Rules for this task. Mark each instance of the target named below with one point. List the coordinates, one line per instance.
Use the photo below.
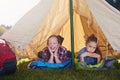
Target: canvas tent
(29, 34)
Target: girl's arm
(96, 56)
(57, 59)
(51, 59)
(56, 56)
(84, 55)
(51, 56)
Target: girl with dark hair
(90, 54)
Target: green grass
(61, 74)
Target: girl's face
(91, 46)
(53, 44)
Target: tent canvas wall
(29, 34)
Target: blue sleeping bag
(45, 65)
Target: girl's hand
(95, 55)
(52, 54)
(56, 52)
(88, 54)
(84, 55)
(57, 56)
(51, 57)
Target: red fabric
(5, 52)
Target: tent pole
(72, 31)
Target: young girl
(90, 54)
(54, 52)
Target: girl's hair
(93, 38)
(58, 37)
